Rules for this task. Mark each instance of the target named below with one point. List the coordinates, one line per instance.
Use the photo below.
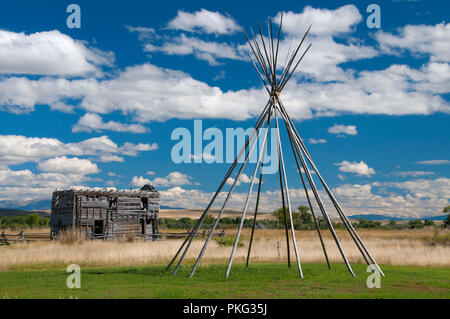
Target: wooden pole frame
(265, 63)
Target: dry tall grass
(71, 237)
(387, 247)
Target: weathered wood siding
(106, 214)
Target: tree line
(303, 220)
(24, 221)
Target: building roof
(113, 193)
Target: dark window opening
(144, 203)
(113, 203)
(143, 226)
(98, 227)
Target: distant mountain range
(39, 204)
(22, 208)
(385, 217)
(17, 212)
(168, 207)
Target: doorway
(98, 227)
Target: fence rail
(161, 235)
(7, 239)
(204, 233)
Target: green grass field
(258, 281)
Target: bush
(393, 225)
(437, 239)
(338, 226)
(428, 222)
(228, 241)
(368, 223)
(414, 224)
(183, 223)
(226, 221)
(209, 220)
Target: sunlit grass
(387, 247)
(258, 281)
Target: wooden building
(105, 213)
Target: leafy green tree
(44, 221)
(279, 215)
(447, 220)
(32, 220)
(304, 216)
(300, 217)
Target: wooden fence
(7, 239)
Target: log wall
(106, 214)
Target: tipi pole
(256, 206)
(303, 147)
(194, 230)
(292, 58)
(310, 204)
(244, 212)
(273, 50)
(288, 197)
(346, 225)
(258, 56)
(227, 198)
(262, 61)
(344, 218)
(269, 49)
(298, 62)
(278, 44)
(259, 73)
(254, 217)
(319, 200)
(284, 212)
(265, 51)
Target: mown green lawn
(258, 281)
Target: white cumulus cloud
(209, 51)
(18, 149)
(317, 141)
(93, 122)
(67, 165)
(172, 179)
(434, 162)
(204, 21)
(360, 168)
(244, 178)
(343, 129)
(323, 21)
(433, 40)
(48, 53)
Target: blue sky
(96, 106)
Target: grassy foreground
(258, 281)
